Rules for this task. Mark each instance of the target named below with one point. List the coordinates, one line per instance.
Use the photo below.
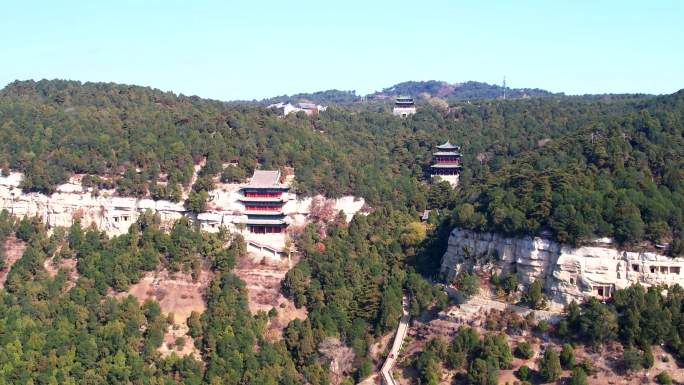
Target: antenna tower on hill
(504, 88)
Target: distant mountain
(460, 91)
(319, 97)
(451, 91)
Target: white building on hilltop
(307, 108)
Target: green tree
(567, 357)
(549, 366)
(524, 350)
(413, 234)
(524, 373)
(649, 360)
(597, 323)
(194, 324)
(534, 296)
(510, 283)
(633, 359)
(578, 377)
(197, 201)
(428, 367)
(629, 226)
(482, 372)
(664, 378)
(467, 284)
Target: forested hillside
(49, 335)
(619, 176)
(465, 91)
(51, 129)
(319, 97)
(577, 167)
(469, 90)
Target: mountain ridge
(468, 90)
(421, 90)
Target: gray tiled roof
(264, 179)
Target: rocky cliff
(115, 214)
(112, 214)
(568, 273)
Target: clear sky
(255, 49)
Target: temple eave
(261, 199)
(264, 212)
(265, 222)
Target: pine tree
(578, 377)
(567, 357)
(549, 366)
(535, 297)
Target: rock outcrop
(115, 214)
(569, 273)
(112, 214)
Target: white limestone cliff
(568, 273)
(114, 214)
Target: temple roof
(265, 179)
(404, 100)
(446, 153)
(446, 166)
(447, 146)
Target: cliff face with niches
(115, 214)
(111, 214)
(568, 273)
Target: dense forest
(351, 279)
(618, 176)
(50, 335)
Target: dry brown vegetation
(67, 264)
(263, 278)
(176, 293)
(13, 249)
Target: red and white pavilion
(447, 163)
(263, 200)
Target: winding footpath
(386, 370)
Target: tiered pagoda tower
(447, 163)
(264, 198)
(404, 106)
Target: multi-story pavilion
(447, 163)
(404, 106)
(263, 199)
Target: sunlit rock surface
(568, 273)
(115, 214)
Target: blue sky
(229, 50)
